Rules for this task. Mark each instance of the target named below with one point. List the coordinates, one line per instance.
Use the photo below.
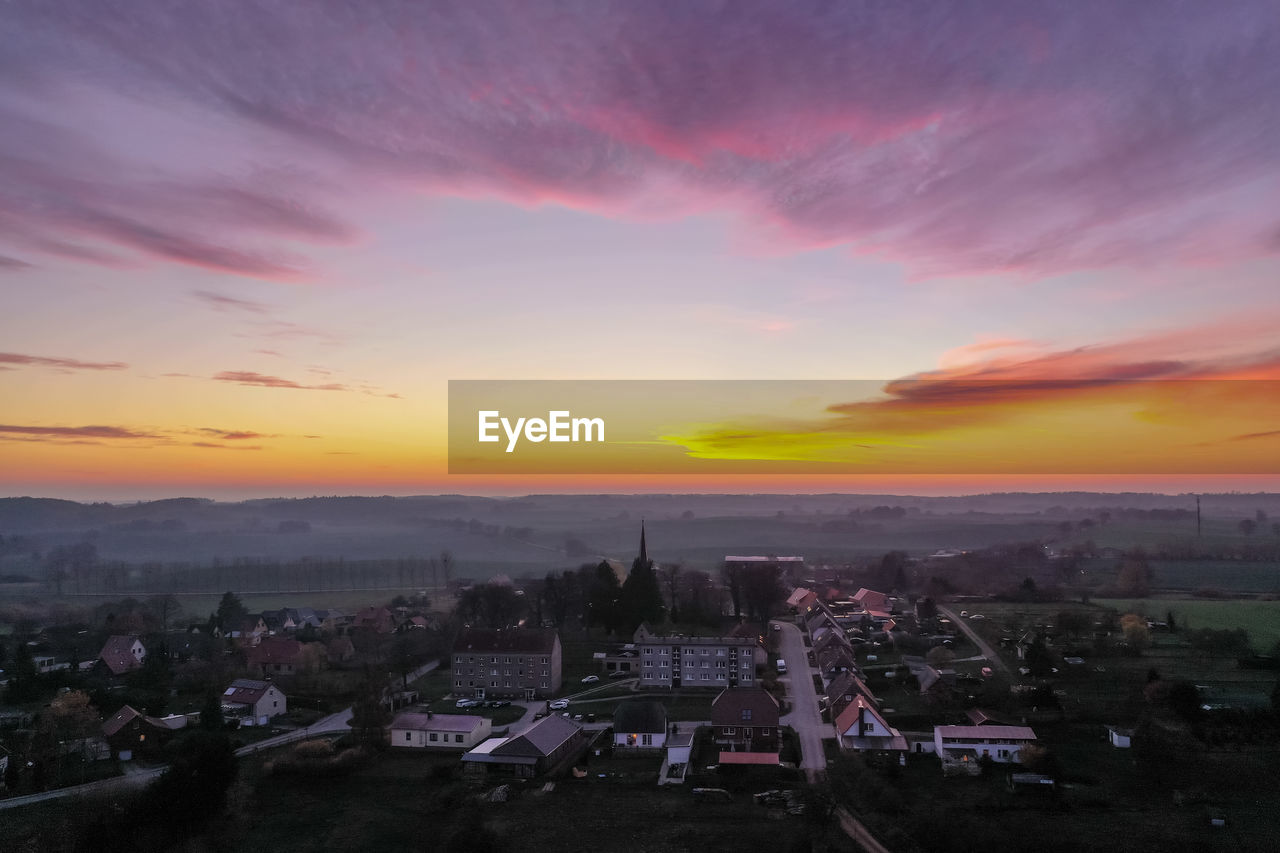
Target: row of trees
(78, 569)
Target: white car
(590, 679)
(560, 704)
(466, 703)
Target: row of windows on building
(706, 664)
(664, 651)
(706, 676)
(493, 673)
(434, 737)
(458, 659)
(457, 682)
(747, 731)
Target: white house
(862, 727)
(1001, 744)
(639, 724)
(439, 731)
(254, 702)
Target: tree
(640, 599)
(24, 680)
(231, 612)
(732, 573)
(369, 716)
(1038, 658)
(1134, 576)
(1073, 622)
(165, 608)
(211, 719)
(670, 576)
(602, 591)
(194, 787)
(940, 657)
(71, 718)
(1136, 633)
(1247, 526)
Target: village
(803, 697)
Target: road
(804, 717)
(986, 650)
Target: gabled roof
(801, 597)
(246, 691)
(523, 640)
(128, 714)
(275, 650)
(859, 707)
(117, 654)
(119, 720)
(727, 707)
(540, 739)
(872, 600)
(640, 716)
(982, 732)
(463, 723)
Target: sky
(245, 246)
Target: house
(802, 599)
(541, 748)
(964, 744)
(522, 663)
(872, 602)
(129, 731)
(1120, 738)
(439, 731)
(248, 631)
(679, 661)
(274, 656)
(253, 702)
(639, 725)
(123, 653)
(843, 689)
(745, 719)
(861, 726)
(376, 619)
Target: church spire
(644, 554)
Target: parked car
(621, 673)
(466, 703)
(590, 679)
(560, 704)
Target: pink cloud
(64, 364)
(955, 138)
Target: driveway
(804, 716)
(986, 650)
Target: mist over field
(325, 543)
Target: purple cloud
(61, 363)
(954, 136)
(75, 432)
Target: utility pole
(1197, 516)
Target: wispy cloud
(222, 302)
(8, 264)
(249, 377)
(232, 435)
(953, 137)
(103, 432)
(61, 363)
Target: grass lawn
(1260, 618)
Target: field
(1111, 800)
(1260, 618)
